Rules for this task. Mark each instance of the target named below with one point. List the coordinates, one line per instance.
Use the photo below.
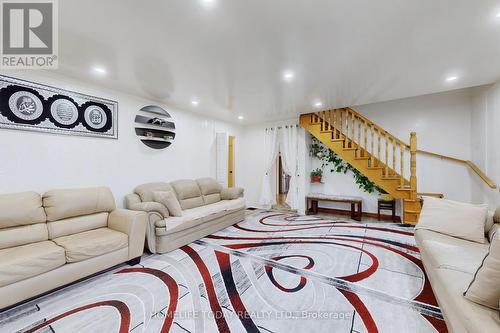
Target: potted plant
(316, 175)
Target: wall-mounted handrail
(470, 164)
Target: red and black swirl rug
(269, 273)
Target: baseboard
(383, 217)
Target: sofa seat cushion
(453, 253)
(93, 243)
(195, 216)
(449, 286)
(22, 262)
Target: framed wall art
(32, 106)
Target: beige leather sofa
(50, 241)
(450, 264)
(204, 211)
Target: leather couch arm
(133, 224)
(150, 207)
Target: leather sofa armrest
(133, 224)
(150, 207)
(131, 199)
(232, 193)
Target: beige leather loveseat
(50, 241)
(450, 264)
(206, 208)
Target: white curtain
(271, 152)
(288, 149)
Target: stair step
(412, 211)
(350, 148)
(337, 140)
(391, 177)
(362, 158)
(375, 168)
(404, 189)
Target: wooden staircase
(373, 151)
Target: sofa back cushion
(19, 209)
(75, 225)
(210, 189)
(63, 204)
(146, 191)
(22, 219)
(452, 218)
(188, 193)
(485, 287)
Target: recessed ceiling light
(451, 78)
(288, 75)
(241, 117)
(195, 102)
(99, 70)
(318, 104)
(208, 3)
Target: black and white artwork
(32, 106)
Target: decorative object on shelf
(154, 127)
(316, 175)
(32, 106)
(328, 158)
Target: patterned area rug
(269, 273)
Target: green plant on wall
(331, 160)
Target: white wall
(485, 145)
(39, 162)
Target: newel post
(413, 163)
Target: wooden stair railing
(467, 163)
(383, 158)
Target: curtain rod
(280, 127)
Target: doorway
(283, 183)
(230, 162)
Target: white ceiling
(231, 54)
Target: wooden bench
(355, 202)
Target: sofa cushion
(210, 189)
(26, 234)
(461, 313)
(231, 193)
(18, 209)
(485, 287)
(496, 215)
(93, 243)
(209, 186)
(61, 204)
(145, 191)
(22, 262)
(169, 200)
(188, 193)
(77, 224)
(456, 254)
(489, 221)
(195, 216)
(494, 229)
(454, 218)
